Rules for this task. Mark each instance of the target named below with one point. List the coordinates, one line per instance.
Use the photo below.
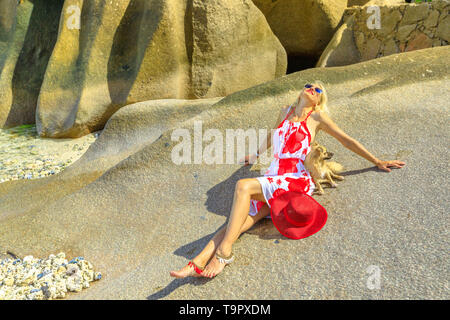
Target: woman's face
(311, 95)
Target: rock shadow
(29, 71)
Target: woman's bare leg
(206, 254)
(203, 257)
(246, 189)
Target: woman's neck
(302, 110)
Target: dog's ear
(314, 152)
(319, 148)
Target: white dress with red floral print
(291, 143)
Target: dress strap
(308, 115)
(289, 112)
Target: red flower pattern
(304, 152)
(259, 204)
(294, 141)
(298, 184)
(287, 165)
(307, 130)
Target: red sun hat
(297, 215)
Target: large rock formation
(374, 2)
(112, 53)
(303, 27)
(351, 3)
(135, 214)
(404, 27)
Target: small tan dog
(320, 170)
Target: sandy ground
(25, 155)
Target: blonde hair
(322, 106)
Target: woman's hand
(248, 159)
(383, 165)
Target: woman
(296, 128)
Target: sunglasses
(318, 90)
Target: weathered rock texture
(128, 209)
(351, 3)
(405, 27)
(374, 2)
(112, 53)
(303, 27)
(28, 34)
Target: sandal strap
(223, 259)
(197, 269)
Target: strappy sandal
(223, 260)
(197, 269)
(226, 260)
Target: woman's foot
(215, 266)
(187, 271)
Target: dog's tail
(335, 167)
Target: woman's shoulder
(322, 117)
(318, 114)
(318, 117)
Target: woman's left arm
(327, 125)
